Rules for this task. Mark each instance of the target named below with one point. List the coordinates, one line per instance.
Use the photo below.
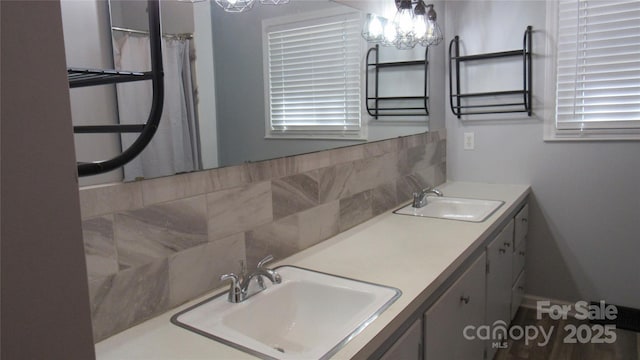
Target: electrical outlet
(469, 141)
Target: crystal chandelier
(414, 24)
(236, 6)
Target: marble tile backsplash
(152, 245)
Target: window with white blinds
(598, 67)
(312, 77)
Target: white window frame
(301, 18)
(551, 133)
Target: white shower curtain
(174, 147)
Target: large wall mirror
(215, 92)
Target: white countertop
(413, 254)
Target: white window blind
(598, 65)
(314, 77)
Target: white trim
(310, 136)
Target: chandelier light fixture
(414, 24)
(237, 6)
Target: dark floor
(625, 347)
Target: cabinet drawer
(517, 264)
(517, 292)
(521, 226)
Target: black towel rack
(377, 105)
(457, 99)
(93, 77)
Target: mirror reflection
(218, 106)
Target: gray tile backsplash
(239, 209)
(195, 271)
(123, 299)
(384, 197)
(278, 238)
(158, 231)
(155, 244)
(355, 209)
(294, 193)
(99, 246)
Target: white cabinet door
(462, 305)
(519, 255)
(517, 292)
(499, 257)
(522, 225)
(408, 346)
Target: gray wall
(584, 227)
(240, 95)
(45, 304)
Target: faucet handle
(235, 291)
(231, 276)
(419, 198)
(262, 262)
(272, 274)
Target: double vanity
(402, 285)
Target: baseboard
(627, 318)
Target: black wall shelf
(389, 105)
(93, 77)
(491, 103)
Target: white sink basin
(310, 315)
(464, 209)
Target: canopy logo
(499, 333)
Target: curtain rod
(141, 32)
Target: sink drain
(279, 349)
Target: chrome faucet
(240, 287)
(420, 197)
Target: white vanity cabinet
(462, 305)
(519, 254)
(499, 282)
(488, 292)
(408, 346)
